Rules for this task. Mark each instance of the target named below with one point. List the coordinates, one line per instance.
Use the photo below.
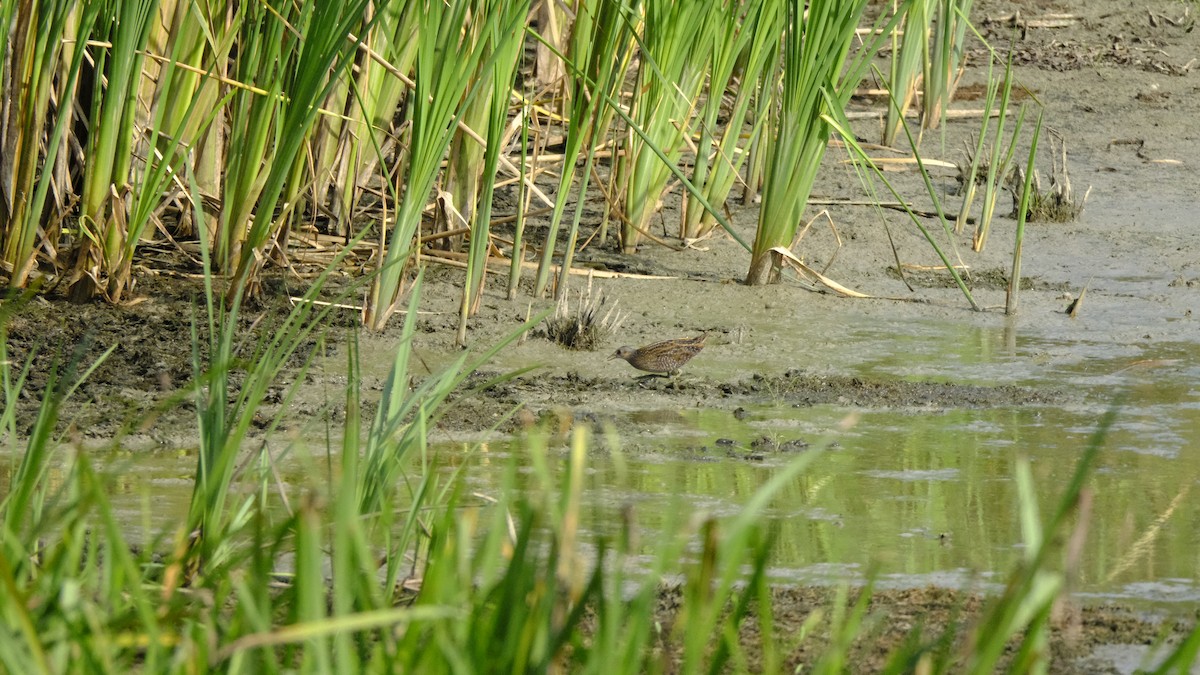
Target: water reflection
(919, 497)
(914, 497)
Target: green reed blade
(816, 48)
(908, 58)
(41, 33)
(1014, 278)
(945, 58)
(444, 67)
(324, 53)
(744, 51)
(670, 75)
(599, 49)
(505, 33)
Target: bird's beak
(613, 356)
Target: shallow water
(930, 498)
(916, 496)
(912, 496)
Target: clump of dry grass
(584, 328)
(975, 170)
(1055, 204)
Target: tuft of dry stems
(585, 328)
(974, 165)
(1056, 203)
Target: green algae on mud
(588, 397)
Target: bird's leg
(650, 376)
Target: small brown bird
(662, 358)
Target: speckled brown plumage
(665, 357)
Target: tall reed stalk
(324, 52)
(816, 80)
(746, 40)
(35, 34)
(928, 56)
(517, 259)
(598, 51)
(173, 108)
(445, 62)
(460, 192)
(1027, 187)
(764, 112)
(504, 46)
(358, 144)
(998, 160)
(111, 141)
(975, 156)
(670, 76)
(183, 99)
(909, 56)
(945, 59)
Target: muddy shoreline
(1133, 249)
